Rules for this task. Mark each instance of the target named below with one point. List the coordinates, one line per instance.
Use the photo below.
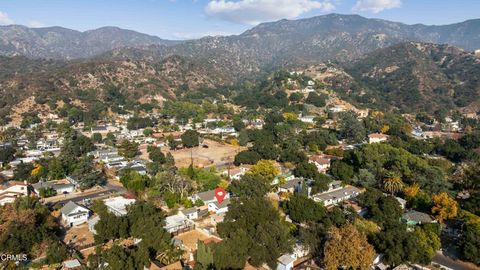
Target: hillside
(417, 76)
(63, 43)
(133, 78)
(295, 43)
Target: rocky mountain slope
(293, 43)
(417, 76)
(63, 43)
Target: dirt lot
(79, 235)
(218, 154)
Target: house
(11, 190)
(477, 53)
(321, 162)
(337, 195)
(178, 223)
(337, 109)
(284, 177)
(413, 217)
(293, 186)
(377, 137)
(309, 119)
(217, 207)
(74, 214)
(285, 262)
(194, 212)
(71, 265)
(207, 197)
(235, 173)
(118, 205)
(60, 188)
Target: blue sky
(183, 19)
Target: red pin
(220, 194)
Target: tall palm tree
(393, 184)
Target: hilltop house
(377, 137)
(11, 190)
(321, 162)
(74, 214)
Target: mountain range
(388, 63)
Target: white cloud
(196, 35)
(4, 19)
(376, 6)
(253, 12)
(35, 24)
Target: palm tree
(393, 184)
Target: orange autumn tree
(444, 207)
(347, 248)
(411, 191)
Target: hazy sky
(183, 19)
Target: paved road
(452, 264)
(108, 190)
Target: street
(452, 264)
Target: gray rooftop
(189, 210)
(340, 193)
(69, 207)
(292, 183)
(416, 216)
(224, 203)
(40, 185)
(286, 259)
(207, 195)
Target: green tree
(190, 138)
(155, 154)
(341, 170)
(247, 157)
(302, 209)
(97, 137)
(351, 129)
(128, 149)
(6, 154)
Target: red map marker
(220, 194)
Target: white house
(337, 195)
(207, 197)
(74, 214)
(190, 213)
(177, 223)
(217, 207)
(235, 173)
(377, 137)
(285, 262)
(118, 205)
(11, 190)
(309, 119)
(321, 162)
(60, 188)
